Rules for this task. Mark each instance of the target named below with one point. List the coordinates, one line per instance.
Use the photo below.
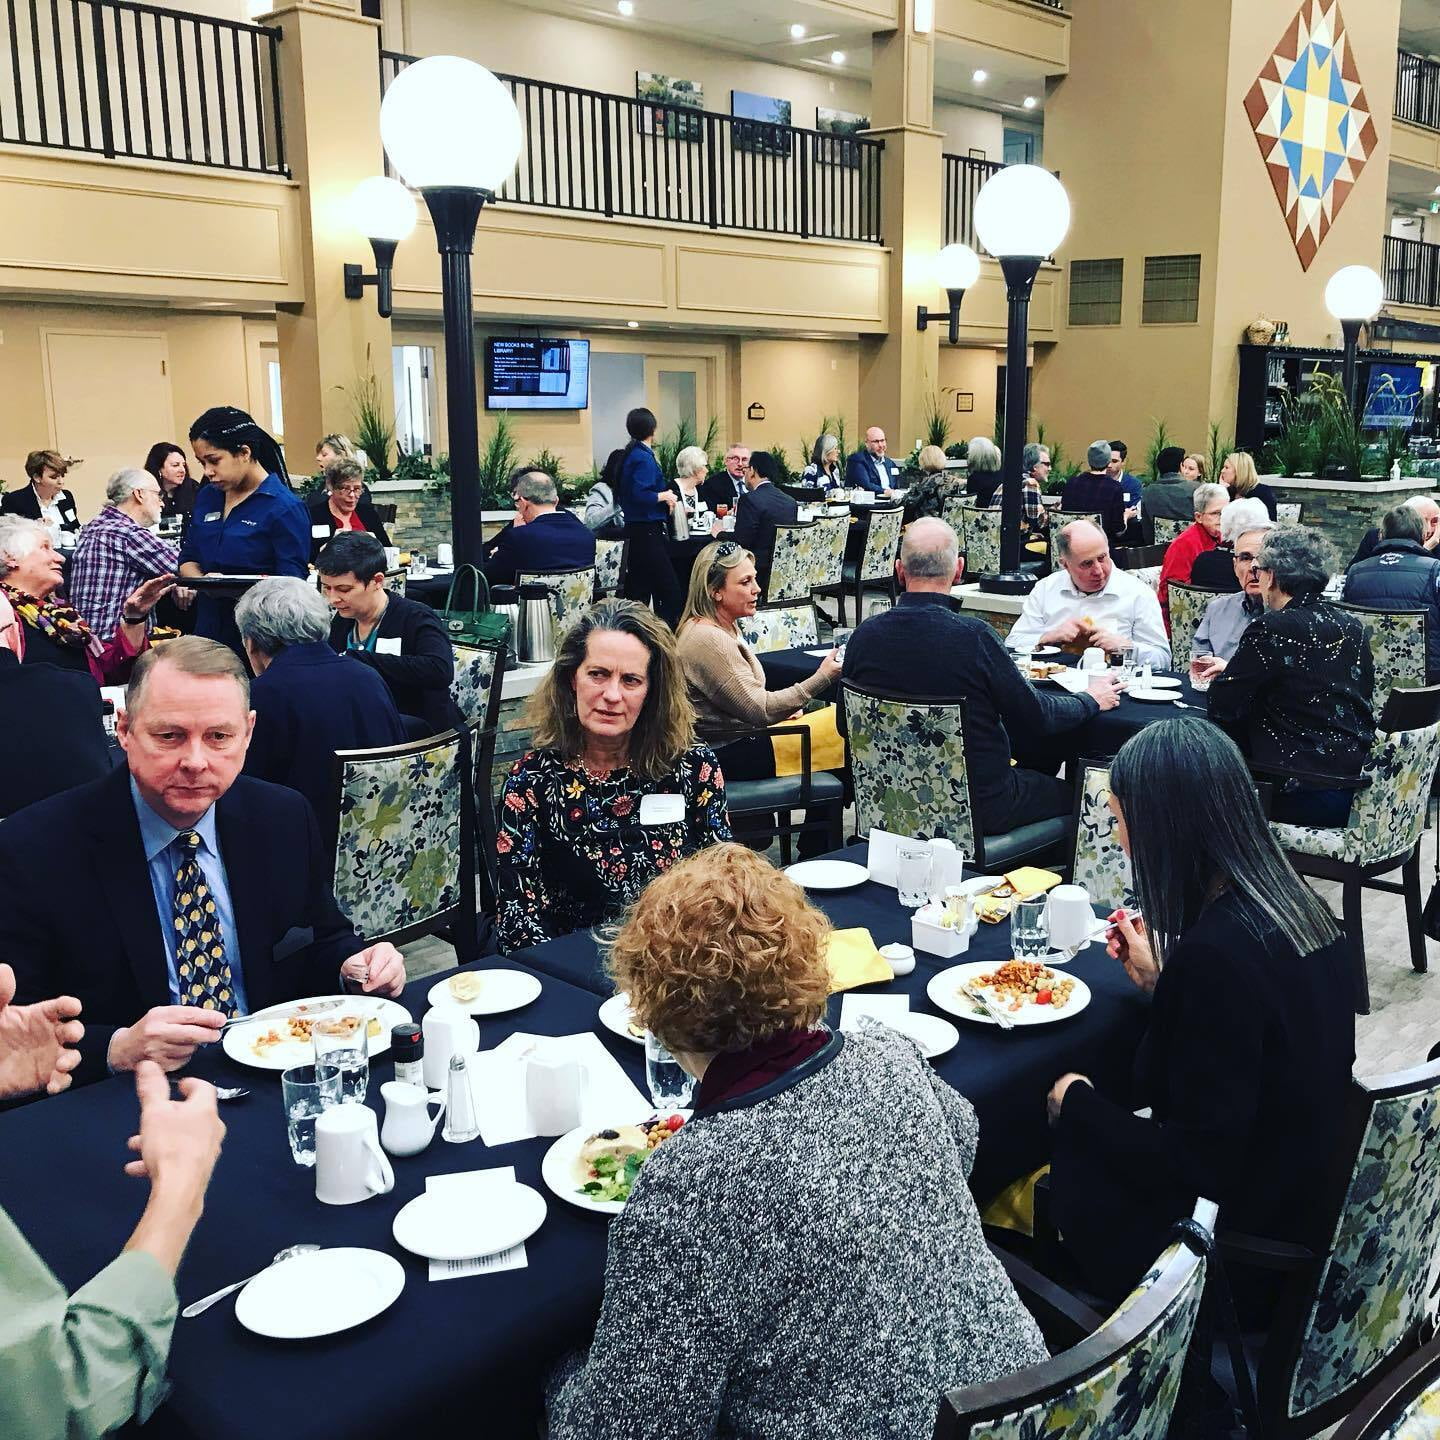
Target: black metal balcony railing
(111, 77)
(963, 178)
(1412, 272)
(1417, 90)
(610, 155)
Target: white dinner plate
(320, 1293)
(500, 990)
(944, 992)
(557, 1170)
(1041, 650)
(615, 1017)
(828, 874)
(934, 1036)
(441, 1226)
(239, 1040)
(1153, 695)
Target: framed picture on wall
(666, 104)
(761, 123)
(836, 127)
(964, 401)
(977, 154)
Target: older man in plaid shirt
(119, 550)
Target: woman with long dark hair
(1251, 1034)
(246, 521)
(166, 462)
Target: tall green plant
(1160, 439)
(1059, 465)
(1218, 450)
(667, 447)
(374, 432)
(937, 422)
(498, 457)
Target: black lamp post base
(1009, 582)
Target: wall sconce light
(382, 210)
(957, 268)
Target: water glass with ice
(1029, 933)
(350, 1055)
(669, 1083)
(913, 859)
(307, 1091)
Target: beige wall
(798, 382)
(1028, 31)
(969, 369)
(966, 128)
(206, 365)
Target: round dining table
(467, 1355)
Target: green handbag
(481, 626)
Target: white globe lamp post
(1353, 296)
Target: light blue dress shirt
(162, 856)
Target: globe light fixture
(383, 211)
(1353, 295)
(1022, 214)
(452, 132)
(957, 268)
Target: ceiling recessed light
(1031, 102)
(632, 324)
(626, 7)
(797, 32)
(980, 76)
(837, 57)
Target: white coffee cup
(349, 1163)
(554, 1093)
(409, 1127)
(1093, 659)
(445, 556)
(1069, 916)
(392, 557)
(448, 1030)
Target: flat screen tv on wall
(537, 374)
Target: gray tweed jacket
(803, 1261)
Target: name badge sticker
(662, 809)
(319, 532)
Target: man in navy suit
(542, 537)
(102, 886)
(761, 508)
(309, 702)
(871, 468)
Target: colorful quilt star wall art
(1313, 124)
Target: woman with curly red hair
(803, 1257)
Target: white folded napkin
(471, 1186)
(879, 1007)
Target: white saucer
(828, 874)
(934, 1036)
(320, 1293)
(1154, 696)
(439, 1226)
(500, 991)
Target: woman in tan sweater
(723, 677)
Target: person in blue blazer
(871, 468)
(542, 537)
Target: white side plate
(320, 1293)
(440, 1226)
(828, 874)
(500, 991)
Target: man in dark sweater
(926, 649)
(1429, 513)
(1099, 492)
(1401, 574)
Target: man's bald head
(1429, 512)
(930, 553)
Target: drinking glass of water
(912, 873)
(419, 563)
(669, 1083)
(307, 1091)
(350, 1056)
(1029, 934)
(839, 639)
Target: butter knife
(988, 1006)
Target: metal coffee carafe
(536, 629)
(680, 520)
(505, 600)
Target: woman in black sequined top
(1298, 695)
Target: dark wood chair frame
(1385, 1402)
(829, 821)
(484, 734)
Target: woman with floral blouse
(617, 789)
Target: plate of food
(615, 1016)
(1028, 992)
(278, 1041)
(828, 874)
(597, 1169)
(320, 1293)
(440, 1226)
(486, 992)
(1041, 669)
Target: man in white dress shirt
(1088, 599)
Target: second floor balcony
(1411, 272)
(1417, 90)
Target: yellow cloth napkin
(854, 960)
(827, 749)
(1026, 882)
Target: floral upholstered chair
(572, 592)
(874, 569)
(1403, 1405)
(404, 855)
(1365, 1300)
(1383, 834)
(955, 511)
(982, 543)
(476, 690)
(1187, 609)
(1118, 1383)
(1097, 860)
(829, 552)
(780, 627)
(1397, 646)
(610, 558)
(1288, 512)
(1059, 519)
(1166, 528)
(797, 561)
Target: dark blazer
(556, 540)
(310, 702)
(419, 676)
(26, 502)
(180, 500)
(721, 488)
(108, 950)
(319, 508)
(759, 511)
(860, 472)
(53, 736)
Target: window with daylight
(1096, 289)
(1172, 290)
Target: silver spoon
(230, 1092)
(201, 1306)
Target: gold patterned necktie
(200, 964)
